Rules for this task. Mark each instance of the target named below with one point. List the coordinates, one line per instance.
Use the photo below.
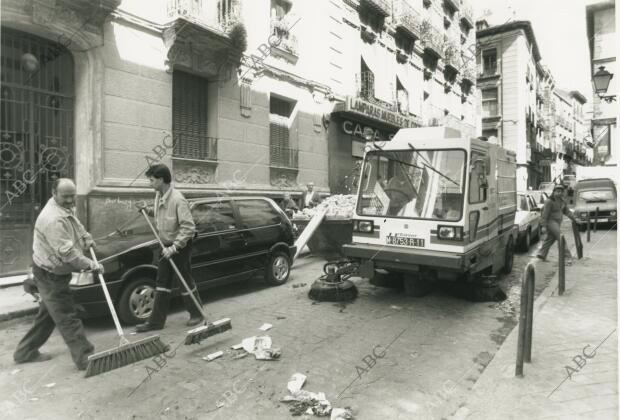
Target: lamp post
(601, 81)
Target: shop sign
(359, 130)
(361, 107)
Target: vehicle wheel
(527, 240)
(278, 268)
(509, 256)
(136, 302)
(416, 286)
(387, 279)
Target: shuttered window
(281, 153)
(189, 118)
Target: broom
(126, 353)
(207, 330)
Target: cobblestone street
(429, 352)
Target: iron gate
(36, 137)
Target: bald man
(58, 247)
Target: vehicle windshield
(523, 203)
(596, 195)
(422, 184)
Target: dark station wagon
(236, 238)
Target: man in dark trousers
(552, 213)
(176, 229)
(58, 246)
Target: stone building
(237, 96)
(602, 43)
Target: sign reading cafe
(358, 130)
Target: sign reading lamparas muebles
(359, 106)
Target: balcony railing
(192, 146)
(283, 157)
(450, 56)
(218, 15)
(381, 7)
(432, 39)
(407, 19)
(467, 16)
(288, 41)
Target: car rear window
(257, 213)
(213, 217)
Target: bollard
(588, 227)
(526, 319)
(578, 243)
(595, 218)
(561, 262)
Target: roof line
(524, 25)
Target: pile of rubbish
(313, 403)
(341, 206)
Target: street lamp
(601, 81)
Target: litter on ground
(265, 327)
(213, 356)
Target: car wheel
(136, 302)
(539, 233)
(416, 286)
(527, 240)
(278, 268)
(509, 256)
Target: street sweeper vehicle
(435, 205)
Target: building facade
(236, 96)
(602, 43)
(508, 77)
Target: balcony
(467, 17)
(189, 146)
(432, 39)
(450, 57)
(469, 74)
(452, 5)
(407, 19)
(381, 7)
(288, 42)
(283, 157)
(215, 15)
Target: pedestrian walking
(553, 210)
(310, 198)
(176, 228)
(59, 243)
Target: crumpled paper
(260, 347)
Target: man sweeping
(59, 243)
(176, 228)
(552, 213)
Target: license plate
(602, 220)
(404, 241)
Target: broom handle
(109, 299)
(175, 268)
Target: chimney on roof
(481, 24)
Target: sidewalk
(14, 303)
(564, 327)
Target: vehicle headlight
(83, 278)
(612, 213)
(364, 226)
(450, 232)
(583, 215)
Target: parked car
(547, 187)
(528, 220)
(591, 194)
(236, 238)
(539, 198)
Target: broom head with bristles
(198, 334)
(125, 354)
